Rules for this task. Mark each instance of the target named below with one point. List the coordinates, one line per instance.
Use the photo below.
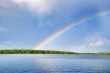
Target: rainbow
(68, 27)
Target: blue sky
(25, 23)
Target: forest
(23, 51)
(34, 52)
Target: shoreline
(48, 52)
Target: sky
(24, 24)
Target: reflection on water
(54, 64)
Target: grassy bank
(46, 52)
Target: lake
(47, 63)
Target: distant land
(23, 51)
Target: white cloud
(99, 42)
(51, 11)
(92, 44)
(42, 6)
(83, 46)
(39, 6)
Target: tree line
(23, 51)
(34, 52)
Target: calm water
(54, 64)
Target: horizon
(55, 25)
(51, 51)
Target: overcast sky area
(25, 23)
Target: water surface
(54, 63)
